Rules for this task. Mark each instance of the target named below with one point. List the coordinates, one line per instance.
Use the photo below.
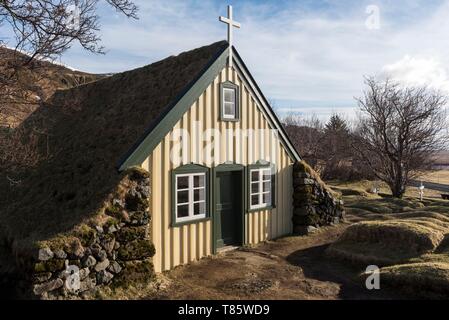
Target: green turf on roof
(90, 128)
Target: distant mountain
(39, 80)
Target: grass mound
(408, 238)
(352, 192)
(419, 278)
(385, 205)
(390, 241)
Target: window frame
(227, 85)
(260, 167)
(190, 171)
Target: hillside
(39, 80)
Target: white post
(421, 191)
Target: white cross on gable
(231, 23)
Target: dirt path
(289, 268)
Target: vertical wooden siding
(180, 245)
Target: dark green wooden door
(229, 209)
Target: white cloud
(419, 71)
(303, 54)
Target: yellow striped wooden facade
(181, 245)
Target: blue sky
(309, 57)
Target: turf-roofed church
(220, 163)
(153, 168)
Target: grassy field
(407, 237)
(363, 188)
(437, 176)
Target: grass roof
(89, 129)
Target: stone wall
(313, 202)
(115, 250)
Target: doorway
(229, 209)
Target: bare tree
(48, 28)
(306, 134)
(45, 29)
(399, 131)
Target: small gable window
(190, 194)
(229, 101)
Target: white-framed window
(260, 188)
(229, 103)
(190, 196)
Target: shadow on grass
(317, 265)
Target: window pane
(183, 196)
(267, 174)
(267, 186)
(199, 208)
(183, 182)
(183, 210)
(199, 194)
(198, 181)
(255, 200)
(254, 176)
(267, 198)
(229, 95)
(229, 109)
(255, 187)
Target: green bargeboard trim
(186, 169)
(151, 141)
(223, 168)
(258, 165)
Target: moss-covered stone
(75, 262)
(113, 211)
(87, 235)
(301, 166)
(303, 197)
(128, 234)
(139, 218)
(111, 222)
(137, 173)
(41, 277)
(49, 266)
(135, 250)
(304, 189)
(314, 202)
(136, 203)
(135, 271)
(74, 248)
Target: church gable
(236, 76)
(208, 134)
